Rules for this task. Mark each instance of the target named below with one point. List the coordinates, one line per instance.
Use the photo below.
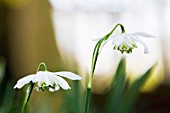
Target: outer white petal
(134, 38)
(44, 76)
(39, 76)
(118, 40)
(61, 82)
(69, 75)
(104, 43)
(128, 41)
(48, 79)
(143, 34)
(21, 82)
(146, 50)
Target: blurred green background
(28, 37)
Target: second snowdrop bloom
(45, 80)
(126, 42)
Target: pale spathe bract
(45, 80)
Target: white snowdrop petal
(69, 75)
(39, 76)
(118, 41)
(146, 50)
(48, 78)
(61, 82)
(129, 42)
(134, 38)
(25, 80)
(103, 44)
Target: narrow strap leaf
(132, 93)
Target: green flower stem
(88, 95)
(27, 96)
(42, 64)
(93, 65)
(30, 88)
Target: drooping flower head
(126, 42)
(45, 80)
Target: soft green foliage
(7, 100)
(73, 100)
(131, 94)
(122, 97)
(118, 87)
(11, 103)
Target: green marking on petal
(43, 84)
(134, 45)
(115, 47)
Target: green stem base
(88, 95)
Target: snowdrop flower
(126, 42)
(45, 80)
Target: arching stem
(30, 88)
(93, 65)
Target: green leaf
(72, 99)
(118, 86)
(131, 94)
(8, 98)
